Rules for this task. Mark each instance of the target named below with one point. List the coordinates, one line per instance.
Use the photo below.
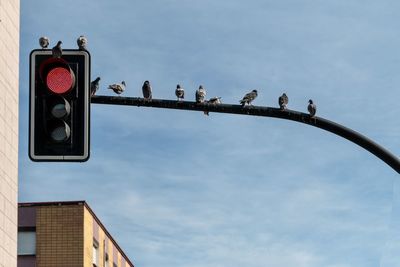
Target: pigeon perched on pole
(147, 91)
(200, 94)
(213, 101)
(44, 42)
(179, 92)
(57, 50)
(283, 101)
(94, 86)
(248, 98)
(312, 108)
(118, 88)
(82, 42)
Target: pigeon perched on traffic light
(248, 98)
(200, 94)
(94, 86)
(57, 50)
(214, 101)
(118, 88)
(283, 101)
(44, 42)
(82, 42)
(179, 92)
(147, 90)
(312, 108)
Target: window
(106, 261)
(95, 253)
(27, 243)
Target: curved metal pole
(353, 136)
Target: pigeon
(179, 92)
(44, 42)
(213, 101)
(94, 86)
(118, 88)
(147, 90)
(283, 101)
(57, 50)
(312, 108)
(200, 94)
(82, 42)
(248, 98)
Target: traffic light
(59, 116)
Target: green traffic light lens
(59, 131)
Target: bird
(57, 50)
(213, 101)
(179, 92)
(283, 101)
(248, 98)
(94, 86)
(118, 88)
(82, 42)
(147, 90)
(312, 108)
(200, 94)
(44, 42)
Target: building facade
(65, 234)
(9, 75)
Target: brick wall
(59, 236)
(9, 60)
(65, 234)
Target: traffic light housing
(59, 106)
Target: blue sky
(178, 188)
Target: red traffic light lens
(60, 80)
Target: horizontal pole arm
(335, 128)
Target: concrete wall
(93, 231)
(9, 69)
(87, 238)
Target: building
(9, 75)
(65, 234)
